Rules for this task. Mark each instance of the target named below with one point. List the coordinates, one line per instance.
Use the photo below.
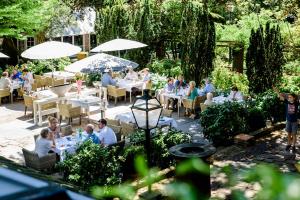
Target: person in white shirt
(53, 127)
(209, 99)
(44, 144)
(169, 88)
(5, 82)
(106, 135)
(235, 94)
(28, 80)
(131, 75)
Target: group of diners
(190, 91)
(45, 143)
(25, 77)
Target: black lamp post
(146, 111)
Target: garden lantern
(146, 111)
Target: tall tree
(198, 42)
(20, 18)
(264, 58)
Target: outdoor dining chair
(57, 82)
(32, 160)
(167, 112)
(117, 130)
(127, 128)
(112, 122)
(203, 107)
(4, 93)
(66, 110)
(193, 104)
(28, 103)
(66, 130)
(113, 91)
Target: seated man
(106, 135)
(16, 75)
(209, 87)
(107, 78)
(90, 134)
(169, 88)
(44, 144)
(180, 82)
(5, 82)
(235, 94)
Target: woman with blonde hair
(193, 92)
(53, 128)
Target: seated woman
(44, 144)
(191, 94)
(235, 94)
(53, 127)
(209, 99)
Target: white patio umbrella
(51, 50)
(99, 62)
(118, 45)
(2, 55)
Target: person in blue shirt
(209, 88)
(16, 75)
(91, 135)
(107, 78)
(180, 82)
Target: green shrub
(222, 122)
(224, 79)
(161, 145)
(158, 81)
(92, 165)
(271, 106)
(93, 76)
(40, 67)
(292, 67)
(290, 84)
(166, 67)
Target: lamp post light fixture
(146, 111)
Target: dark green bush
(222, 122)
(92, 165)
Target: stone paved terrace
(17, 130)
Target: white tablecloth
(68, 144)
(222, 99)
(128, 118)
(85, 101)
(128, 84)
(15, 85)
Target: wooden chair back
(203, 107)
(28, 100)
(128, 128)
(112, 122)
(167, 112)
